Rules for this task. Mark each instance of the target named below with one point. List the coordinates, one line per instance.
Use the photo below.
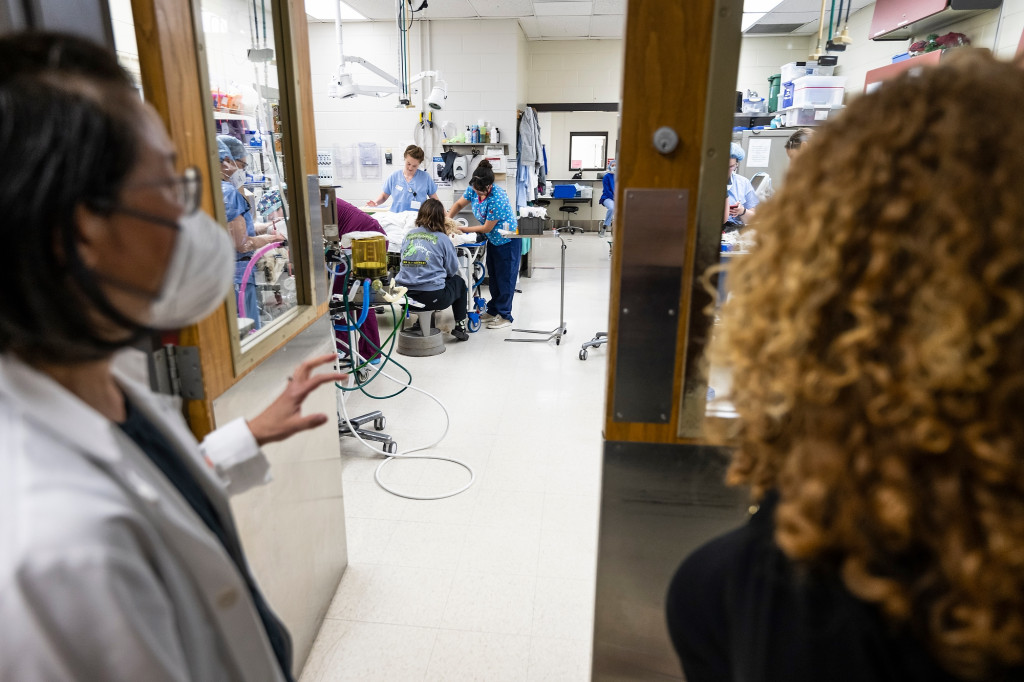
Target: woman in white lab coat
(119, 559)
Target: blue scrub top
(494, 207)
(236, 205)
(408, 195)
(742, 192)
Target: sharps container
(370, 257)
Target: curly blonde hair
(876, 341)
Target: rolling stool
(379, 422)
(568, 211)
(427, 340)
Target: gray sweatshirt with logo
(428, 259)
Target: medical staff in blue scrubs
(408, 187)
(492, 208)
(742, 199)
(608, 193)
(240, 223)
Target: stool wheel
(583, 354)
(379, 423)
(391, 447)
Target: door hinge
(177, 371)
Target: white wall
(575, 71)
(479, 60)
(761, 57)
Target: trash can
(774, 84)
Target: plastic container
(774, 85)
(800, 117)
(790, 72)
(819, 90)
(370, 257)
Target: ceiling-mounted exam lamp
(438, 95)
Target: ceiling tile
(501, 8)
(564, 27)
(607, 26)
(609, 6)
(530, 27)
(447, 9)
(563, 8)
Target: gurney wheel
(583, 354)
(473, 325)
(391, 448)
(379, 424)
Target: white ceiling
(539, 19)
(804, 12)
(582, 19)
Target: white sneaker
(486, 317)
(498, 322)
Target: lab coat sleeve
(90, 613)
(238, 459)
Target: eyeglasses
(187, 188)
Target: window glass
(244, 99)
(588, 151)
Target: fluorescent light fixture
(751, 18)
(763, 6)
(323, 10)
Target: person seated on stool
(608, 193)
(430, 268)
(353, 219)
(741, 199)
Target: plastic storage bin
(794, 70)
(564, 192)
(818, 90)
(799, 117)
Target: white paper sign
(820, 114)
(758, 153)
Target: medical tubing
(387, 355)
(408, 454)
(248, 271)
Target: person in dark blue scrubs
(492, 208)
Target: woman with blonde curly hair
(876, 340)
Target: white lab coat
(106, 573)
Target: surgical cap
(222, 151)
(736, 152)
(234, 146)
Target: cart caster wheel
(583, 354)
(391, 448)
(558, 342)
(379, 424)
(473, 326)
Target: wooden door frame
(659, 62)
(172, 82)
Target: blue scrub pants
(252, 309)
(502, 272)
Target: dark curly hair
(876, 340)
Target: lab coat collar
(54, 409)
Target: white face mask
(237, 178)
(198, 276)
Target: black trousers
(453, 294)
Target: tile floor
(497, 583)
